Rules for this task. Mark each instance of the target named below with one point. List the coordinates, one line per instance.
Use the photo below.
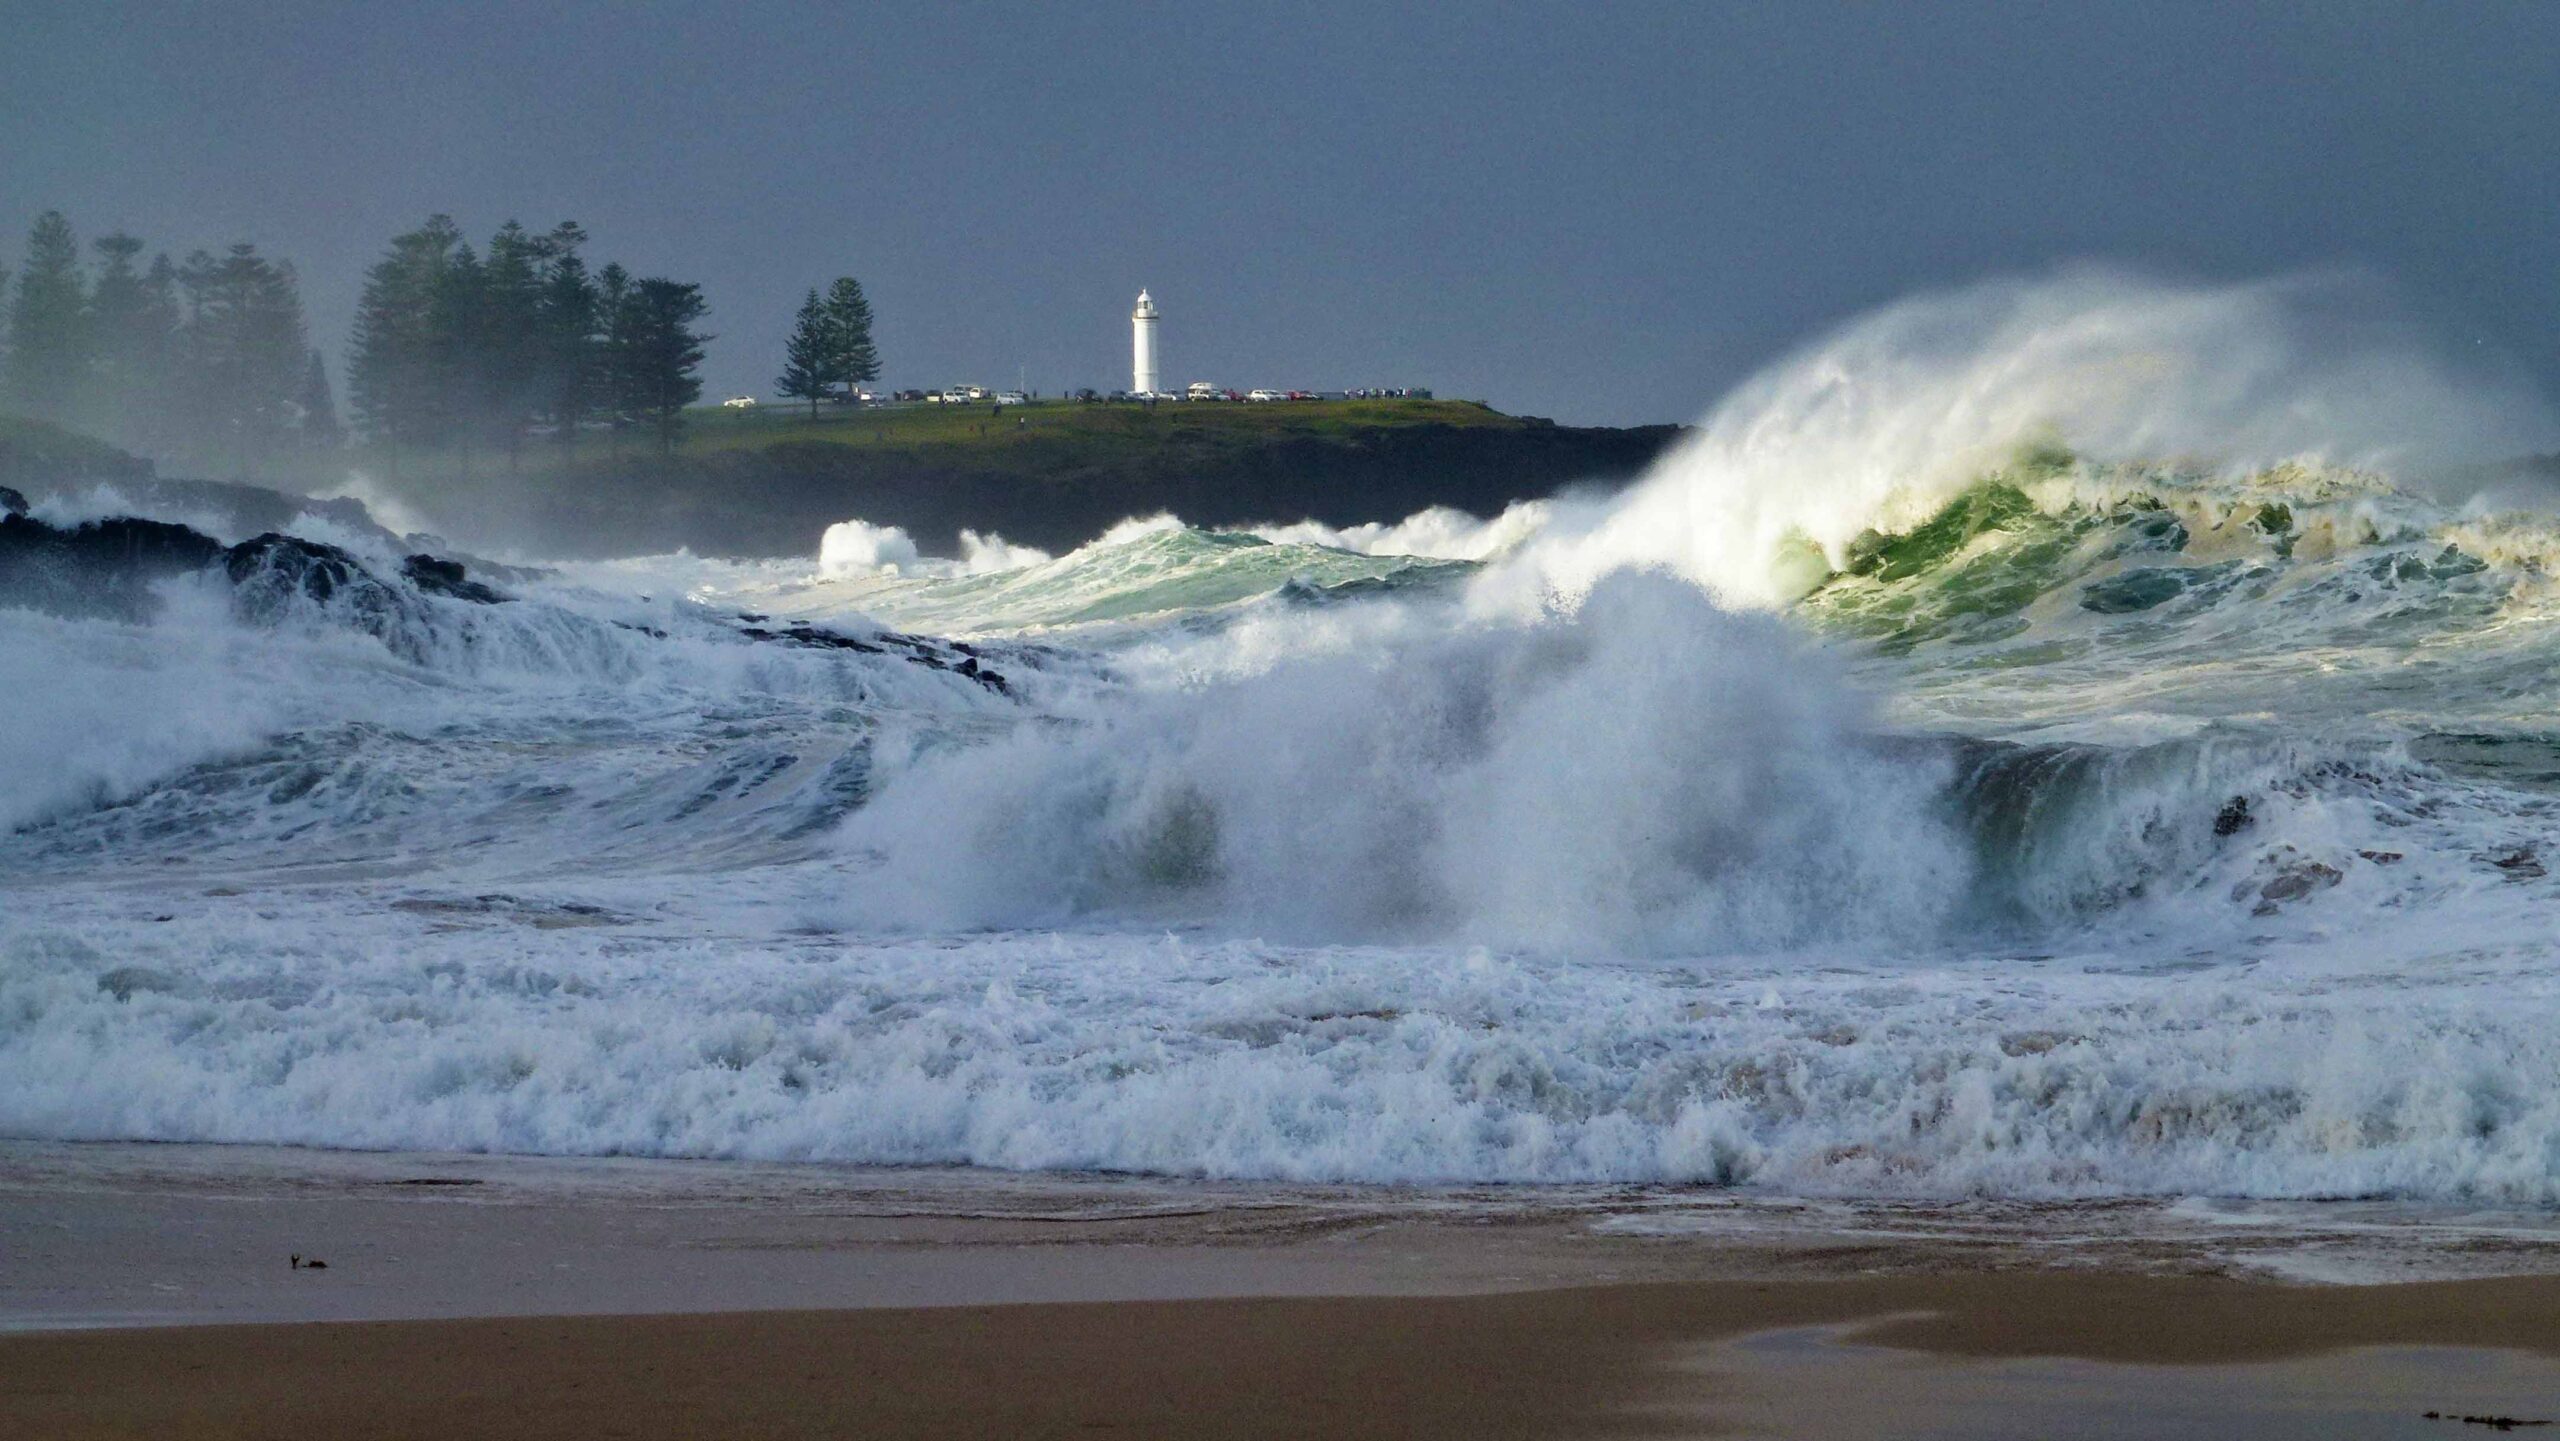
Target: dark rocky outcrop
(12, 503)
(100, 567)
(287, 566)
(447, 578)
(109, 567)
(957, 657)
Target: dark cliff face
(779, 499)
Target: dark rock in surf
(2521, 864)
(447, 578)
(99, 567)
(2298, 881)
(2295, 881)
(276, 576)
(917, 650)
(274, 567)
(810, 635)
(12, 503)
(2233, 818)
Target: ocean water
(2078, 738)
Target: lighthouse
(1142, 324)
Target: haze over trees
(830, 345)
(658, 354)
(466, 352)
(207, 363)
(458, 354)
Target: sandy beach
(493, 1297)
(1608, 1361)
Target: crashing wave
(1880, 797)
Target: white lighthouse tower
(1142, 322)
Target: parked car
(909, 395)
(1265, 395)
(739, 402)
(1203, 390)
(1012, 397)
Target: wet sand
(593, 1299)
(1633, 1360)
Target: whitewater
(2077, 737)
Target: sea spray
(1640, 770)
(1878, 425)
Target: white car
(1266, 395)
(1013, 397)
(739, 402)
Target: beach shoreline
(151, 1291)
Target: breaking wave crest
(1642, 772)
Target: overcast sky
(1602, 213)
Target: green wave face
(2054, 590)
(1964, 575)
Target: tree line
(830, 346)
(456, 351)
(464, 350)
(205, 358)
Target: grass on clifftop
(972, 426)
(1049, 438)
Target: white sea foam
(852, 547)
(315, 1018)
(97, 713)
(1643, 771)
(1439, 533)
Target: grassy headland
(769, 482)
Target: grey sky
(1602, 213)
